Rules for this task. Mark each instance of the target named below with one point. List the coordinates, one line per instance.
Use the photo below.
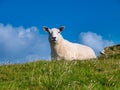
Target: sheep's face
(54, 34)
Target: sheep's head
(54, 33)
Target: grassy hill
(102, 74)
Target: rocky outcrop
(111, 51)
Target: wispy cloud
(18, 44)
(95, 41)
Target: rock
(110, 51)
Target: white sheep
(62, 49)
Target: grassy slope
(62, 75)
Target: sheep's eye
(59, 32)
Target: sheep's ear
(46, 28)
(61, 28)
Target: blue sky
(95, 23)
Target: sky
(95, 23)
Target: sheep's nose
(53, 38)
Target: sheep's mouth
(53, 40)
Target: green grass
(102, 74)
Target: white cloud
(95, 41)
(18, 44)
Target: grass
(102, 74)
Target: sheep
(62, 49)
